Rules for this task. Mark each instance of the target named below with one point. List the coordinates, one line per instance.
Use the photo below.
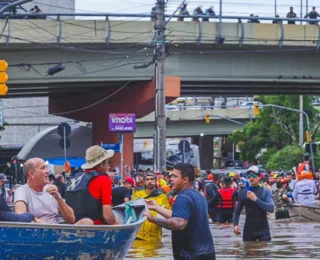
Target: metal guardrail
(132, 15)
(200, 33)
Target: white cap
(254, 169)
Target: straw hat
(96, 155)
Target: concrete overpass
(97, 57)
(191, 122)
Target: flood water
(290, 240)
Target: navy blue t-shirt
(196, 239)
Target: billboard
(122, 123)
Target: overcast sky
(230, 7)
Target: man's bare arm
(175, 224)
(108, 215)
(166, 213)
(20, 207)
(66, 211)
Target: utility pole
(160, 112)
(301, 132)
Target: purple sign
(122, 123)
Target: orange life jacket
(304, 166)
(226, 198)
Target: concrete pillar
(95, 107)
(206, 152)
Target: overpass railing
(219, 39)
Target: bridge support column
(95, 107)
(205, 144)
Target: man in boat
(90, 193)
(305, 190)
(257, 201)
(150, 231)
(40, 199)
(305, 165)
(281, 201)
(188, 220)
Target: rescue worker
(227, 200)
(281, 201)
(312, 15)
(257, 201)
(184, 12)
(305, 190)
(197, 11)
(160, 179)
(210, 13)
(305, 165)
(149, 231)
(89, 193)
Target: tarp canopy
(74, 162)
(45, 144)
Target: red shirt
(101, 188)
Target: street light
(202, 134)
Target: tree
(274, 128)
(286, 158)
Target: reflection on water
(290, 240)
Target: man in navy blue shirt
(188, 220)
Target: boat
(69, 242)
(303, 212)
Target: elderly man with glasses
(257, 201)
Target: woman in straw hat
(90, 193)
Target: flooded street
(290, 240)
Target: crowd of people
(184, 13)
(183, 197)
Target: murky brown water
(290, 240)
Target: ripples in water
(290, 240)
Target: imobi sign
(122, 123)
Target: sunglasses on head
(252, 175)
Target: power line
(94, 104)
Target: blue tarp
(74, 161)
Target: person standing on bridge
(210, 13)
(197, 11)
(257, 201)
(153, 12)
(312, 15)
(291, 14)
(183, 12)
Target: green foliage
(286, 158)
(273, 129)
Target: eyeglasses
(254, 175)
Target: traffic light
(207, 119)
(308, 136)
(256, 109)
(3, 77)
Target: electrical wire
(5, 26)
(94, 104)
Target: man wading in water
(188, 220)
(257, 201)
